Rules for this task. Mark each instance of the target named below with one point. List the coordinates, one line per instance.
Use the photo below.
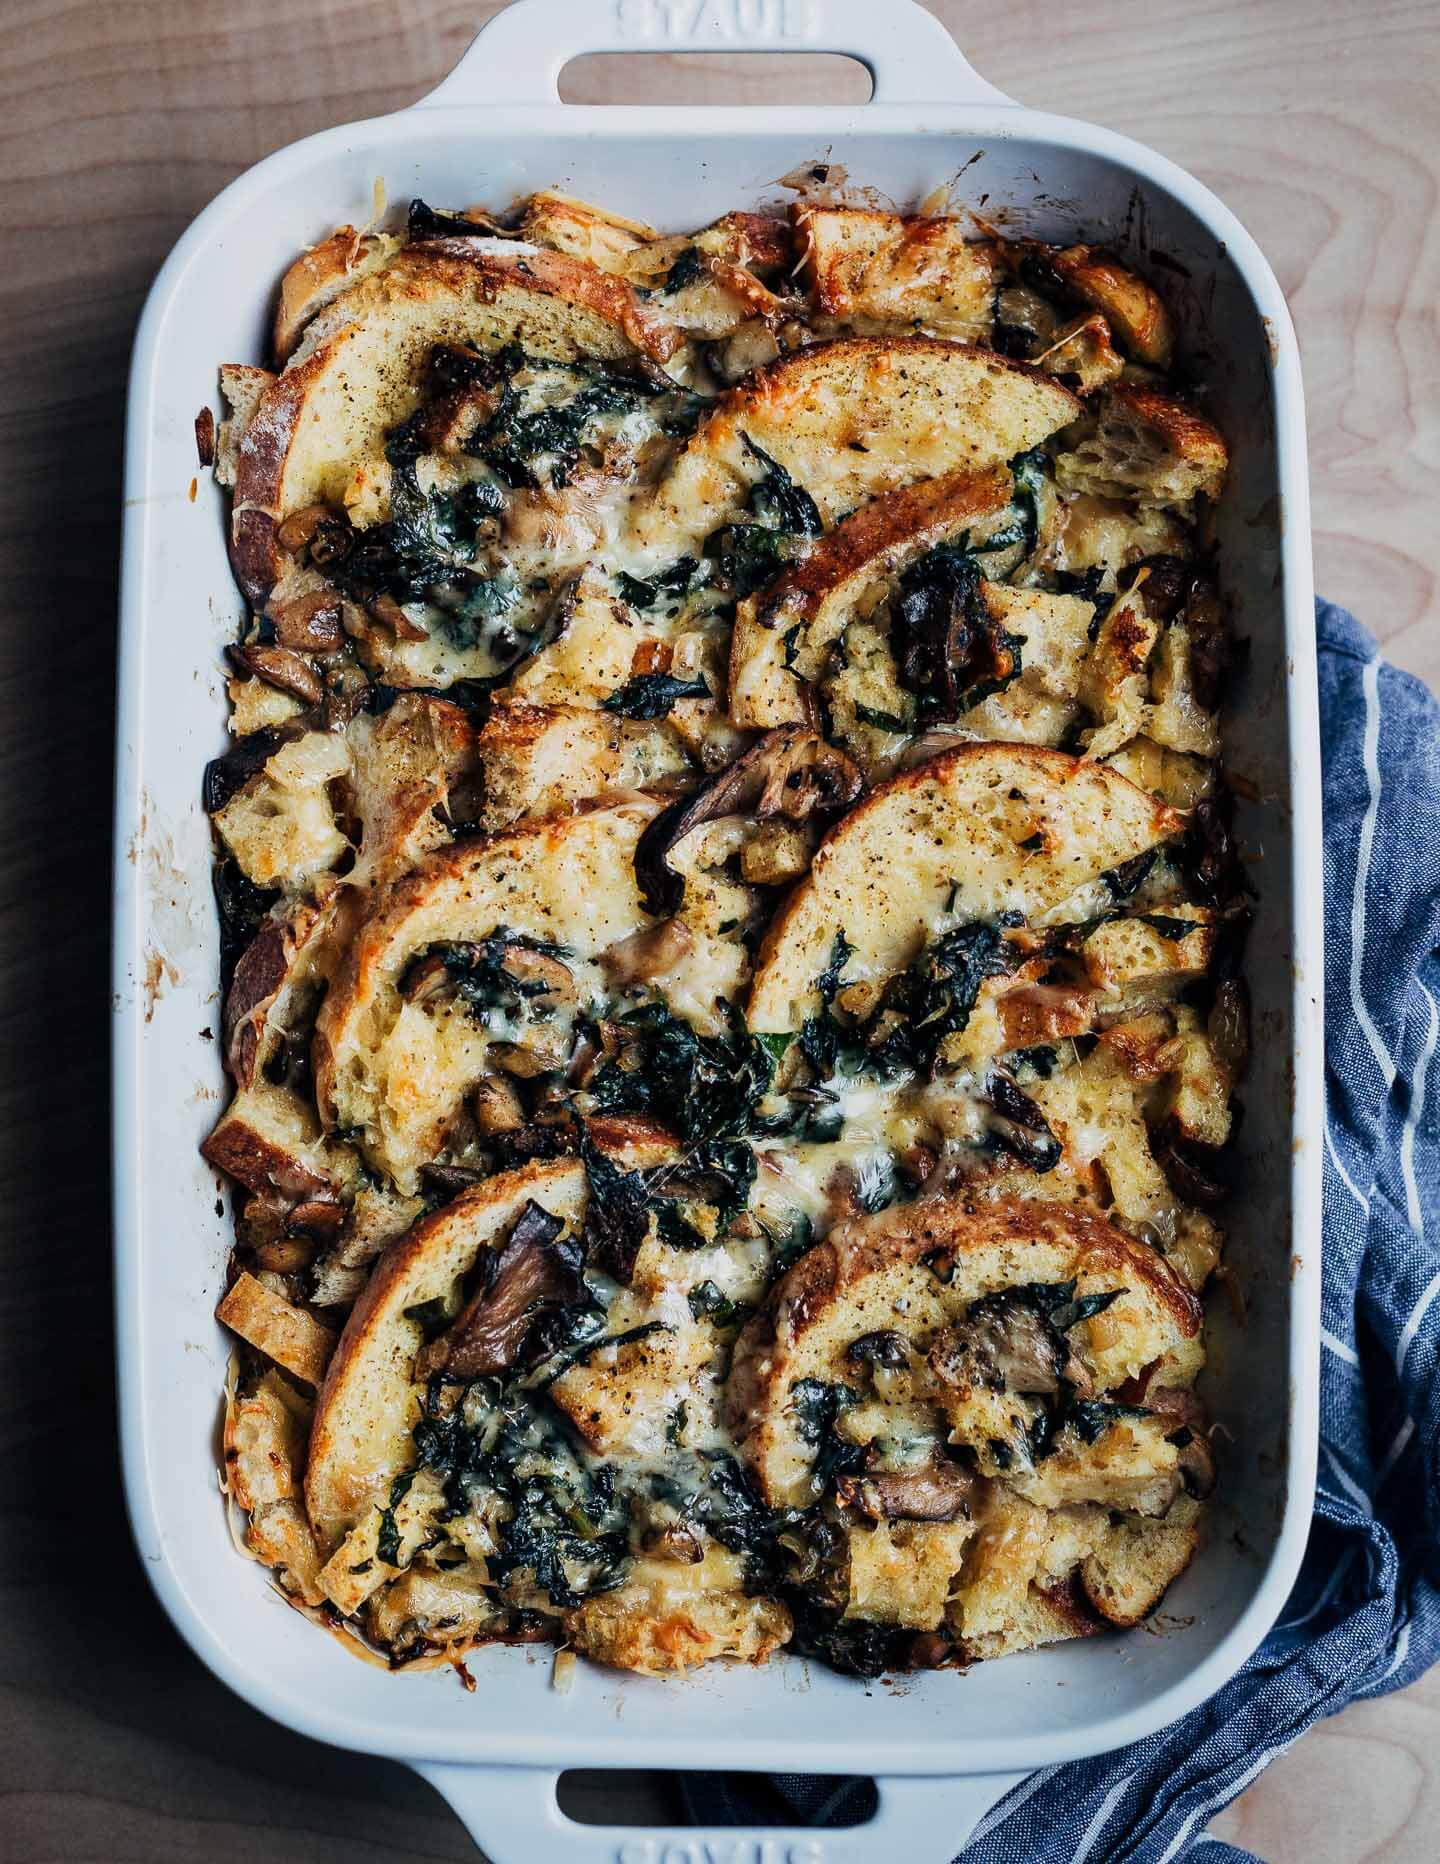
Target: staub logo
(718, 19)
(737, 1850)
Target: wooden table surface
(1316, 123)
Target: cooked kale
(1173, 929)
(651, 695)
(752, 555)
(479, 973)
(817, 1408)
(854, 1647)
(688, 269)
(882, 721)
(672, 584)
(1125, 880)
(933, 999)
(949, 650)
(776, 499)
(707, 1086)
(1086, 584)
(617, 1212)
(515, 441)
(1089, 1418)
(387, 1540)
(707, 1303)
(567, 1524)
(828, 982)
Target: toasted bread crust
(857, 858)
(459, 283)
(865, 544)
(855, 417)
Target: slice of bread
(951, 841)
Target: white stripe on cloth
(1231, 1790)
(1327, 1592)
(1370, 682)
(1102, 1819)
(1402, 1651)
(1011, 1803)
(1347, 1482)
(1349, 1183)
(1338, 1347)
(1396, 1450)
(1412, 1120)
(1412, 1326)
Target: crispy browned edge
(938, 770)
(1187, 433)
(460, 266)
(914, 229)
(927, 508)
(781, 381)
(853, 1251)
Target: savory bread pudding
(731, 938)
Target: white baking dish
(494, 129)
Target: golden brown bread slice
(876, 1274)
(266, 1426)
(544, 760)
(356, 371)
(850, 420)
(769, 660)
(1147, 446)
(943, 844)
(320, 274)
(1133, 309)
(293, 1338)
(395, 1070)
(369, 1402)
(877, 273)
(405, 768)
(669, 1617)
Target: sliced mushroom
(388, 612)
(1190, 1168)
(791, 772)
(679, 1541)
(1018, 1124)
(1004, 1343)
(885, 1347)
(310, 623)
(647, 954)
(941, 1491)
(448, 1181)
(534, 1270)
(281, 667)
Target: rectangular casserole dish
(945, 1746)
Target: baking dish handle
(518, 56)
(512, 1813)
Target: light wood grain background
(1318, 124)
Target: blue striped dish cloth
(1364, 1617)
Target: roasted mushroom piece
(940, 1491)
(791, 771)
(536, 1269)
(1006, 1342)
